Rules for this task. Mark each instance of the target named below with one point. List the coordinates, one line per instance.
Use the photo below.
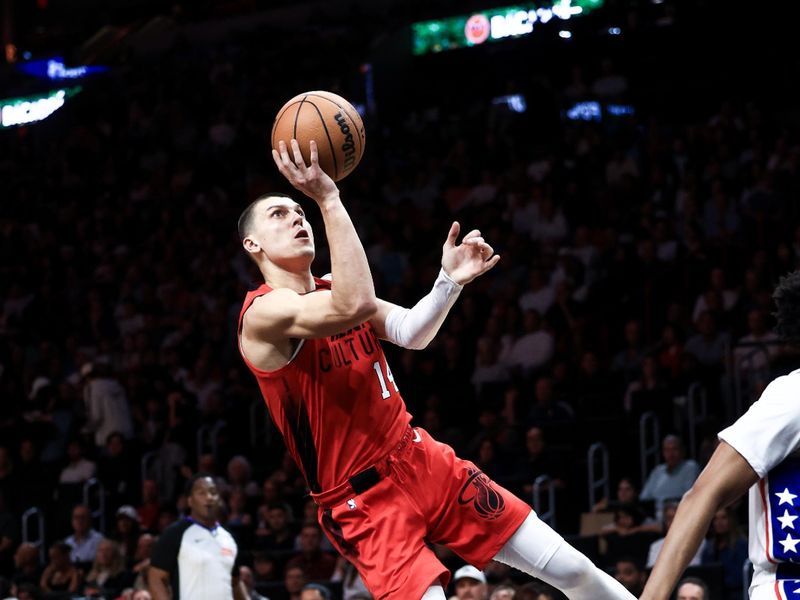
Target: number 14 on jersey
(385, 393)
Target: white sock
(435, 592)
(539, 551)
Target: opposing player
(383, 488)
(760, 451)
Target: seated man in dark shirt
(316, 564)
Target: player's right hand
(309, 179)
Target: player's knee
(570, 569)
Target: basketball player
(760, 451)
(383, 488)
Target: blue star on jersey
(784, 509)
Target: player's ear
(251, 245)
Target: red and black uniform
(383, 488)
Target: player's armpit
(283, 314)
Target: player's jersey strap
(783, 498)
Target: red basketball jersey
(335, 402)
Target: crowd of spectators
(636, 252)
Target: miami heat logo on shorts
(478, 489)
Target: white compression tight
(435, 592)
(539, 551)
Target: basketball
(328, 119)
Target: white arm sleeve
(414, 328)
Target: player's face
(282, 231)
(204, 500)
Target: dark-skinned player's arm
(726, 477)
(414, 328)
(284, 313)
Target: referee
(195, 556)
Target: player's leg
(539, 551)
(435, 592)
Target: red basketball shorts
(420, 492)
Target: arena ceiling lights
(493, 25)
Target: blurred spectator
(649, 392)
(280, 536)
(149, 508)
(692, 588)
(489, 370)
(315, 563)
(546, 407)
(246, 576)
(655, 547)
(26, 565)
(127, 531)
(626, 494)
(717, 288)
(79, 469)
(503, 592)
(540, 294)
(34, 480)
(293, 581)
(708, 345)
(629, 572)
(538, 460)
(239, 476)
(315, 591)
(534, 348)
(352, 584)
(761, 344)
(84, 539)
(265, 567)
(628, 362)
(470, 584)
(671, 479)
(628, 535)
(549, 225)
(107, 575)
(60, 575)
(727, 545)
(107, 409)
(238, 516)
(117, 469)
(141, 560)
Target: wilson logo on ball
(349, 148)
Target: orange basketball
(329, 120)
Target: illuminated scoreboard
(492, 25)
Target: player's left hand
(472, 257)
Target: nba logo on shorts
(351, 504)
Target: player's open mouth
(301, 234)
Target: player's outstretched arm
(351, 301)
(461, 263)
(726, 477)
